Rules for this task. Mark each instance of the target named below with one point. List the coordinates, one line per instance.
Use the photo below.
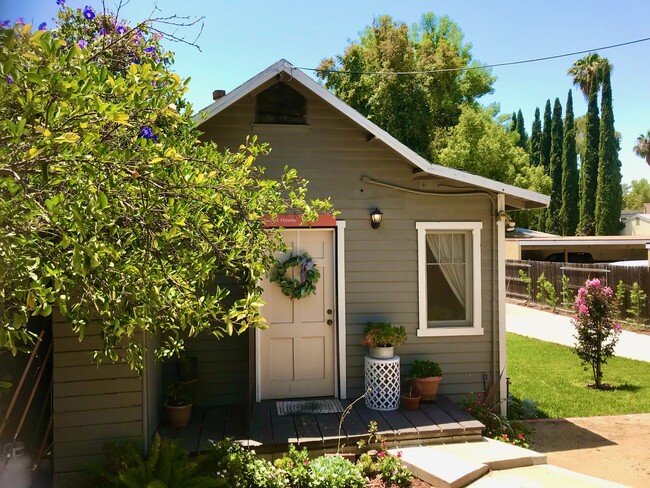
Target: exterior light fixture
(375, 218)
(510, 223)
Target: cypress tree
(513, 122)
(546, 138)
(535, 143)
(521, 128)
(608, 195)
(589, 167)
(553, 223)
(569, 213)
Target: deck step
(540, 476)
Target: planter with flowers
(381, 339)
(426, 375)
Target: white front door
(296, 352)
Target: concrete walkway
(550, 327)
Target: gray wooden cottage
(435, 265)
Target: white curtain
(449, 252)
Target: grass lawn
(552, 375)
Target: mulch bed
(415, 483)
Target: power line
(468, 68)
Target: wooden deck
(434, 422)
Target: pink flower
(583, 309)
(595, 283)
(617, 327)
(520, 436)
(306, 462)
(399, 454)
(608, 291)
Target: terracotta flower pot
(178, 416)
(428, 387)
(410, 402)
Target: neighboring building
(435, 265)
(578, 248)
(637, 225)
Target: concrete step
(496, 455)
(540, 476)
(440, 469)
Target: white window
(449, 278)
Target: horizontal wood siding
(333, 154)
(222, 369)
(91, 405)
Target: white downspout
(501, 285)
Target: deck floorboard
(269, 432)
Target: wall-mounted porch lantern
(375, 218)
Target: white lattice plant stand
(382, 383)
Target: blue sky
(241, 39)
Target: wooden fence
(577, 274)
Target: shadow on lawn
(554, 435)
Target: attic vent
(281, 104)
(217, 94)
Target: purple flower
(60, 3)
(82, 43)
(102, 32)
(147, 133)
(121, 29)
(150, 49)
(89, 13)
(10, 80)
(20, 21)
(42, 26)
(5, 24)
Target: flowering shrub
(497, 426)
(596, 331)
(112, 210)
(296, 465)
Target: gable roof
(516, 198)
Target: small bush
(496, 425)
(637, 303)
(296, 466)
(567, 294)
(546, 292)
(528, 281)
(335, 472)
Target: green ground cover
(552, 375)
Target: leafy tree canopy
(479, 145)
(111, 211)
(416, 107)
(636, 194)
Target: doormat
(308, 407)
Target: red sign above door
(294, 220)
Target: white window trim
(476, 327)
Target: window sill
(450, 331)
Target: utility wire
(467, 68)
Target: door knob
(329, 311)
(329, 322)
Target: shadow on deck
(268, 433)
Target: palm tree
(588, 70)
(642, 147)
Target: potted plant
(179, 404)
(382, 337)
(426, 376)
(186, 366)
(410, 399)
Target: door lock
(329, 311)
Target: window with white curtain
(449, 278)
